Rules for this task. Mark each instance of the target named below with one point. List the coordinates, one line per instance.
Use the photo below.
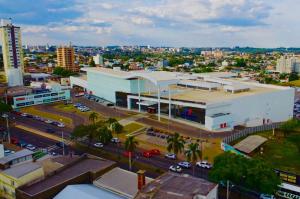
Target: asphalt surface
(45, 143)
(42, 142)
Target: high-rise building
(98, 59)
(288, 64)
(12, 53)
(66, 58)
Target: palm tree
(104, 134)
(93, 117)
(193, 154)
(116, 127)
(111, 120)
(130, 145)
(175, 143)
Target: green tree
(63, 72)
(175, 143)
(240, 62)
(251, 173)
(92, 63)
(293, 77)
(93, 117)
(89, 131)
(4, 107)
(193, 154)
(104, 134)
(116, 127)
(131, 145)
(289, 126)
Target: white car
(115, 140)
(186, 165)
(170, 156)
(98, 145)
(204, 164)
(266, 196)
(24, 114)
(30, 147)
(61, 125)
(175, 168)
(48, 121)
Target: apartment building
(288, 64)
(66, 58)
(12, 53)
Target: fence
(248, 131)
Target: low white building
(216, 101)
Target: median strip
(43, 134)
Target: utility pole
(7, 127)
(62, 140)
(227, 193)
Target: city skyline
(189, 23)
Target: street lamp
(62, 140)
(7, 126)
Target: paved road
(157, 161)
(42, 142)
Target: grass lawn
(132, 127)
(282, 153)
(33, 111)
(292, 83)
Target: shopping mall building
(216, 101)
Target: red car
(147, 154)
(126, 154)
(16, 112)
(155, 152)
(14, 140)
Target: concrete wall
(277, 106)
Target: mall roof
(176, 186)
(161, 78)
(86, 191)
(250, 143)
(22, 169)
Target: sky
(177, 23)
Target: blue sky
(192, 23)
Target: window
(38, 96)
(54, 94)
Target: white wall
(250, 110)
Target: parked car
(48, 121)
(60, 144)
(30, 147)
(61, 125)
(24, 114)
(147, 154)
(17, 112)
(115, 140)
(77, 105)
(170, 156)
(126, 154)
(22, 144)
(155, 152)
(204, 164)
(185, 164)
(175, 168)
(266, 196)
(14, 140)
(98, 145)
